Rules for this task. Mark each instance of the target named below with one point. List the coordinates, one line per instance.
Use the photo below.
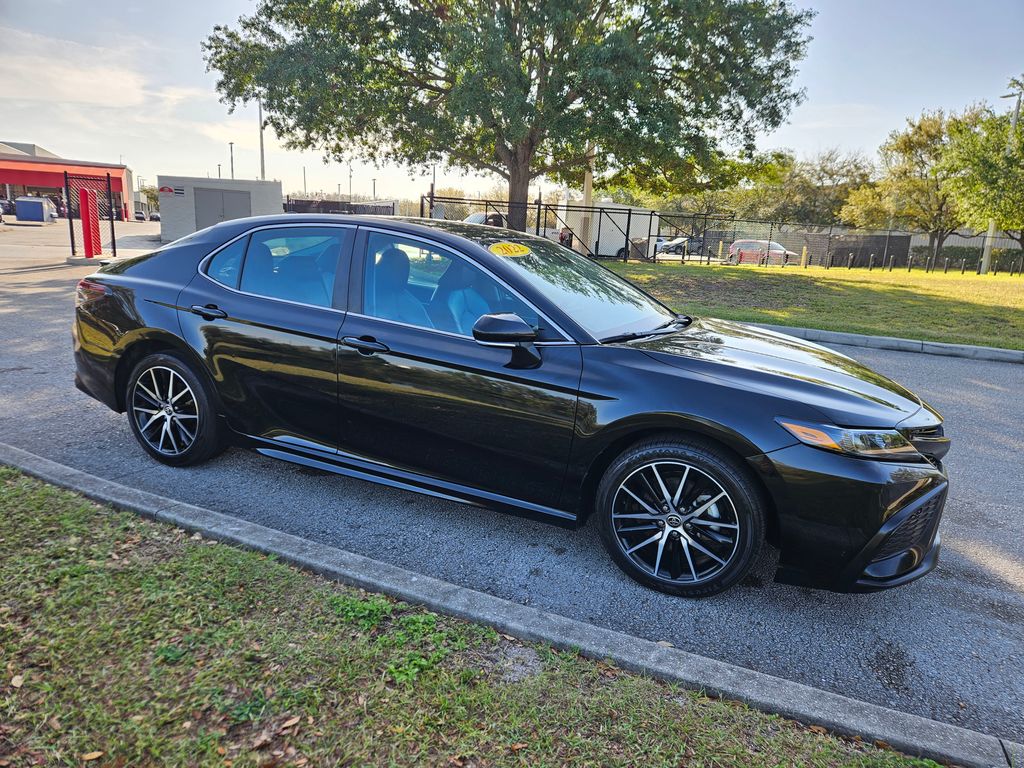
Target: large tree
(520, 88)
(912, 191)
(986, 172)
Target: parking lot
(950, 646)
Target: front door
(418, 393)
(263, 317)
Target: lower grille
(916, 531)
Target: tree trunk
(518, 195)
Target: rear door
(264, 314)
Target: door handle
(365, 345)
(209, 312)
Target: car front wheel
(170, 411)
(681, 516)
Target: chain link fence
(613, 231)
(108, 211)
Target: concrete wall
(178, 200)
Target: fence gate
(73, 186)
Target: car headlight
(887, 444)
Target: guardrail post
(963, 265)
(803, 257)
(538, 214)
(849, 262)
(871, 262)
(910, 261)
(945, 265)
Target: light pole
(374, 188)
(263, 165)
(303, 179)
(350, 181)
(986, 254)
(218, 170)
(231, 149)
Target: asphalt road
(949, 647)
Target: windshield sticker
(509, 249)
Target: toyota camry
(503, 370)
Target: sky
(126, 82)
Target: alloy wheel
(675, 522)
(165, 410)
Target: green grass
(135, 640)
(961, 309)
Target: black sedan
(499, 369)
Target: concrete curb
(910, 734)
(970, 351)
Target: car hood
(845, 391)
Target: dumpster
(34, 209)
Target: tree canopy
(912, 191)
(520, 88)
(985, 172)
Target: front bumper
(853, 525)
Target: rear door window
(299, 264)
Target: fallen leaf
(186, 725)
(221, 751)
(261, 740)
(92, 756)
(519, 746)
(302, 761)
(290, 722)
(54, 723)
(882, 744)
(818, 729)
(17, 681)
(665, 644)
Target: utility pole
(218, 170)
(263, 165)
(304, 180)
(374, 188)
(231, 149)
(588, 200)
(339, 191)
(986, 255)
(350, 181)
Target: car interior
(452, 301)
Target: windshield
(601, 302)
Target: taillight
(88, 290)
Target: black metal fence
(317, 205)
(101, 185)
(610, 230)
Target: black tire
(743, 507)
(153, 376)
(621, 254)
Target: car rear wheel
(681, 516)
(170, 411)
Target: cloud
(81, 74)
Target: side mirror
(503, 328)
(509, 330)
